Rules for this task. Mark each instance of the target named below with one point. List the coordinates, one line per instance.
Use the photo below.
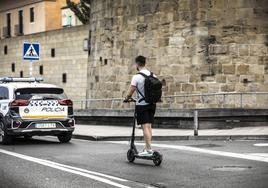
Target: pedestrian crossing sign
(31, 51)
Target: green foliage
(81, 10)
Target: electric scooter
(133, 153)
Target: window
(29, 93)
(5, 49)
(21, 74)
(13, 67)
(85, 45)
(8, 31)
(64, 78)
(105, 61)
(52, 52)
(3, 93)
(20, 29)
(69, 20)
(32, 14)
(41, 70)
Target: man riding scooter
(149, 91)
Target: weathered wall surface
(70, 58)
(194, 46)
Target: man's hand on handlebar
(128, 99)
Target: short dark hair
(141, 60)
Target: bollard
(195, 123)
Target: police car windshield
(40, 94)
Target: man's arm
(131, 90)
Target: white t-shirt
(138, 82)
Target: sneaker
(150, 151)
(145, 153)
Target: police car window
(40, 94)
(3, 93)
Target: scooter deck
(152, 157)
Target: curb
(172, 138)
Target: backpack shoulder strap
(144, 75)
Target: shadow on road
(34, 141)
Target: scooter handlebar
(128, 100)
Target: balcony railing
(6, 32)
(252, 100)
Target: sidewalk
(93, 132)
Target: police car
(30, 108)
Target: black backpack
(152, 89)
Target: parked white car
(30, 108)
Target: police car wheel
(64, 138)
(4, 138)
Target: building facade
(64, 49)
(194, 46)
(63, 59)
(25, 17)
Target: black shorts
(145, 113)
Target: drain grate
(159, 185)
(231, 168)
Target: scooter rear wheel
(157, 158)
(131, 155)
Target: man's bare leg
(147, 132)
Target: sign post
(31, 51)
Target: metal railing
(187, 101)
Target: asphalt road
(44, 162)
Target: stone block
(247, 78)
(242, 69)
(220, 78)
(218, 49)
(181, 78)
(176, 41)
(186, 51)
(262, 60)
(177, 69)
(233, 49)
(228, 88)
(162, 42)
(194, 78)
(232, 78)
(258, 50)
(266, 79)
(228, 69)
(259, 78)
(173, 51)
(188, 88)
(243, 50)
(207, 78)
(213, 88)
(256, 69)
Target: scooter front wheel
(131, 155)
(157, 158)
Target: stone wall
(194, 46)
(70, 58)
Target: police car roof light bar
(11, 79)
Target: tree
(81, 10)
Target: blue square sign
(31, 51)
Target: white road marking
(73, 170)
(261, 144)
(259, 154)
(206, 151)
